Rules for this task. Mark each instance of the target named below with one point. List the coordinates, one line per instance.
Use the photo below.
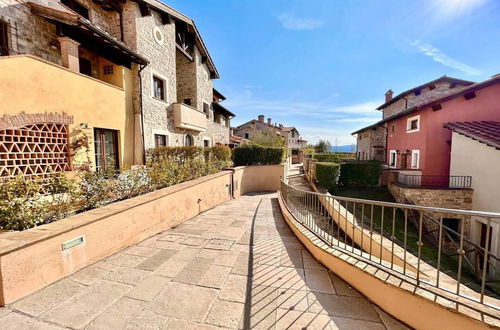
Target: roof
(471, 88)
(412, 90)
(220, 109)
(181, 17)
(288, 129)
(487, 132)
(54, 10)
(237, 139)
(219, 94)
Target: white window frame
(413, 153)
(165, 86)
(160, 132)
(395, 153)
(408, 124)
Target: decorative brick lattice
(34, 150)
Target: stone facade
(441, 88)
(153, 37)
(290, 135)
(446, 198)
(29, 34)
(371, 144)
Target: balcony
(434, 181)
(189, 118)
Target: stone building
(128, 75)
(290, 135)
(372, 140)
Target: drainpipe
(141, 114)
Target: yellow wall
(31, 85)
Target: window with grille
(108, 69)
(106, 148)
(159, 88)
(4, 38)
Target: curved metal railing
(381, 234)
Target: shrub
(360, 174)
(257, 155)
(21, 204)
(327, 175)
(335, 157)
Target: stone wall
(444, 198)
(29, 34)
(372, 144)
(426, 94)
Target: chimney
(261, 118)
(388, 95)
(269, 121)
(281, 126)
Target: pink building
(417, 138)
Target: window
(85, 66)
(216, 118)
(188, 141)
(392, 158)
(187, 101)
(437, 107)
(206, 109)
(415, 158)
(453, 85)
(106, 148)
(392, 128)
(470, 95)
(206, 143)
(432, 86)
(4, 39)
(107, 69)
(247, 136)
(417, 92)
(160, 140)
(159, 88)
(413, 124)
(77, 7)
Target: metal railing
(434, 181)
(381, 234)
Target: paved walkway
(235, 266)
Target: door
(106, 148)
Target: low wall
(399, 301)
(447, 198)
(257, 178)
(32, 259)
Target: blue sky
(324, 65)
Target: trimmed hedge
(334, 157)
(327, 175)
(257, 155)
(360, 174)
(183, 154)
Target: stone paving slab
(237, 266)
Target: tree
(267, 138)
(323, 146)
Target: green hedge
(183, 154)
(327, 175)
(334, 157)
(257, 155)
(360, 174)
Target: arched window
(188, 141)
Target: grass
(429, 252)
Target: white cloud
(292, 22)
(440, 57)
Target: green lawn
(449, 264)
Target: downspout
(141, 105)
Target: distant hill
(345, 148)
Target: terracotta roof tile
(487, 132)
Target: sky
(323, 66)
